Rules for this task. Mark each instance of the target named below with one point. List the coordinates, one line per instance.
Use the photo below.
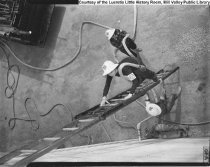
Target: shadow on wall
(56, 21)
(38, 56)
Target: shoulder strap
(125, 46)
(126, 64)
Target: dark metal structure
(25, 22)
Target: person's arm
(115, 54)
(106, 90)
(107, 85)
(162, 90)
(133, 78)
(147, 97)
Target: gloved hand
(104, 101)
(142, 68)
(127, 97)
(115, 55)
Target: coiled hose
(10, 91)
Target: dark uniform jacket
(116, 41)
(137, 76)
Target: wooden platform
(153, 150)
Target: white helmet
(109, 33)
(108, 67)
(153, 109)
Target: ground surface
(174, 150)
(167, 34)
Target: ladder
(26, 154)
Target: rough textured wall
(167, 35)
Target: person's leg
(170, 127)
(122, 49)
(138, 58)
(184, 130)
(131, 46)
(173, 99)
(152, 133)
(135, 56)
(163, 101)
(162, 92)
(162, 105)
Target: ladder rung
(123, 95)
(51, 138)
(115, 100)
(28, 151)
(70, 129)
(86, 120)
(112, 104)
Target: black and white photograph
(104, 83)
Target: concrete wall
(167, 35)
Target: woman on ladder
(121, 41)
